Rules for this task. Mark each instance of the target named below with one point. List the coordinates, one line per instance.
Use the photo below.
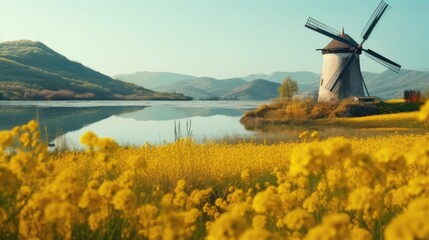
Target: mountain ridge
(32, 71)
(385, 85)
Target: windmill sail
(334, 84)
(376, 16)
(327, 31)
(382, 60)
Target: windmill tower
(341, 74)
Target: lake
(129, 122)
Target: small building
(412, 96)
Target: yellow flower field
(338, 188)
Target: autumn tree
(288, 88)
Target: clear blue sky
(219, 38)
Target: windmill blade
(334, 83)
(364, 84)
(382, 60)
(376, 16)
(317, 26)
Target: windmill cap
(337, 47)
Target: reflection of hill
(171, 113)
(58, 120)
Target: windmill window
(321, 82)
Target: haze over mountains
(386, 85)
(32, 71)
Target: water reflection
(171, 113)
(55, 121)
(130, 123)
(129, 131)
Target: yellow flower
(337, 148)
(298, 219)
(23, 163)
(55, 211)
(8, 182)
(321, 232)
(424, 112)
(259, 221)
(256, 233)
(89, 138)
(109, 189)
(360, 234)
(33, 126)
(412, 224)
(245, 174)
(360, 199)
(227, 226)
(315, 135)
(267, 202)
(90, 199)
(390, 160)
(125, 200)
(137, 162)
(307, 160)
(304, 135)
(334, 226)
(6, 139)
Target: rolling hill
(307, 81)
(203, 87)
(259, 89)
(386, 85)
(152, 80)
(32, 71)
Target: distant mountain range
(32, 71)
(389, 85)
(386, 85)
(152, 80)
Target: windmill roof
(334, 44)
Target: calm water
(129, 122)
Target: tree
(287, 88)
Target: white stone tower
(335, 56)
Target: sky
(216, 38)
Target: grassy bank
(344, 114)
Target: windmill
(341, 76)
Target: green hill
(32, 71)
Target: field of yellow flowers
(338, 188)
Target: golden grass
(398, 100)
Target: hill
(152, 80)
(32, 71)
(256, 89)
(388, 85)
(307, 81)
(203, 87)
